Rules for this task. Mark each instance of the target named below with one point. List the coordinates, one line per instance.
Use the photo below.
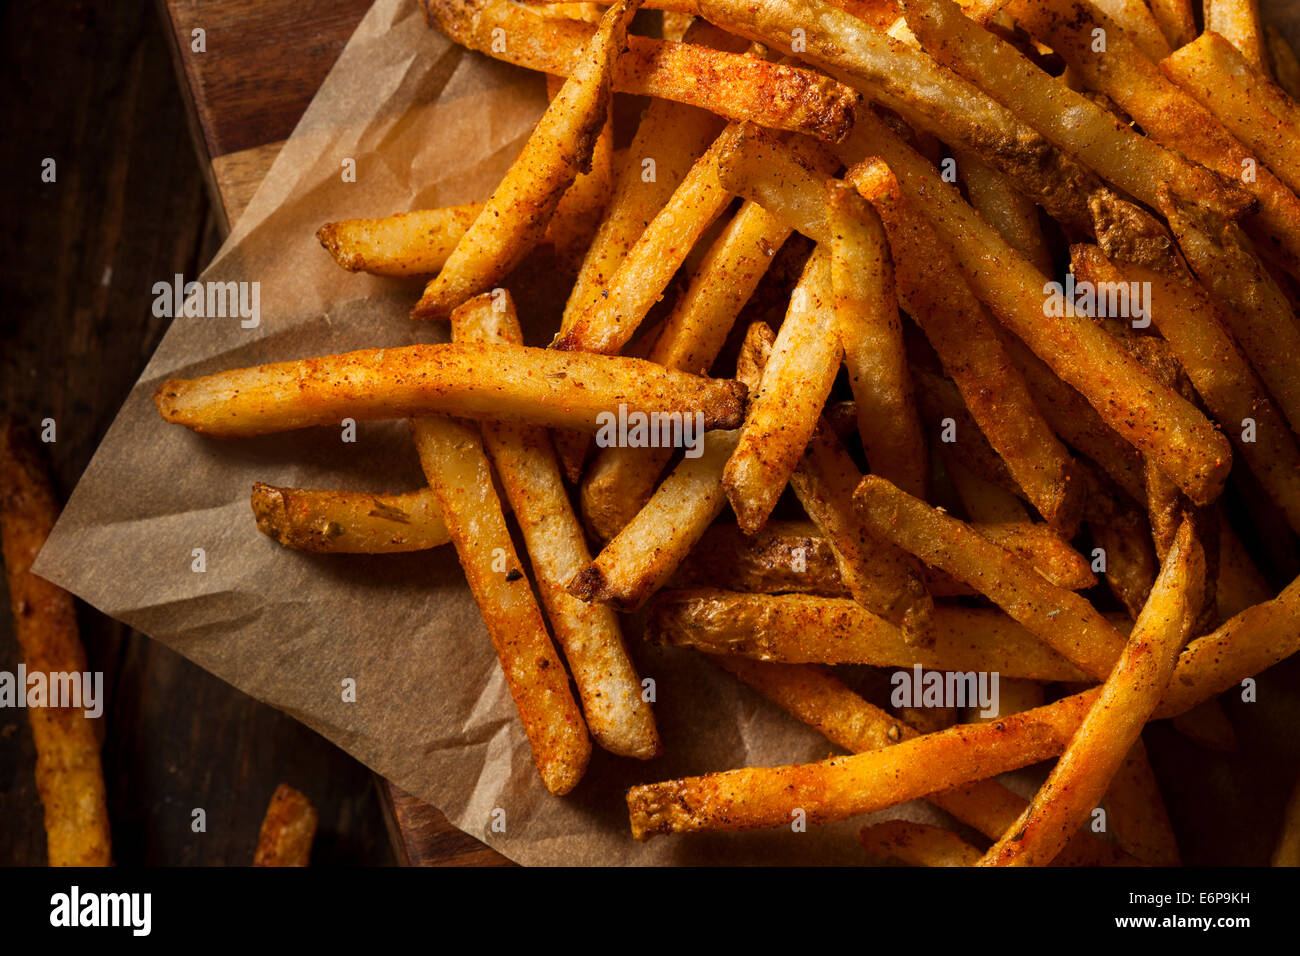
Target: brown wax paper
(427, 124)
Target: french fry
(983, 500)
(405, 244)
(1187, 319)
(804, 629)
(843, 787)
(962, 333)
(1007, 210)
(737, 87)
(1176, 19)
(917, 844)
(1061, 619)
(621, 480)
(1138, 21)
(1135, 811)
(451, 453)
(1114, 722)
(1071, 120)
(1150, 416)
(1166, 114)
(1015, 695)
(558, 151)
(1238, 22)
(1261, 115)
(589, 634)
(785, 407)
(1287, 852)
(349, 522)
(759, 166)
(581, 209)
(785, 557)
(288, 830)
(1286, 66)
(528, 385)
(866, 314)
(69, 776)
(1119, 530)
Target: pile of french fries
(850, 213)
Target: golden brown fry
(589, 634)
(1176, 19)
(804, 629)
(1243, 98)
(983, 500)
(349, 522)
(1115, 720)
(866, 313)
(1137, 20)
(582, 207)
(962, 333)
(738, 87)
(451, 453)
(917, 844)
(1287, 852)
(1152, 417)
(785, 557)
(1009, 211)
(1286, 66)
(404, 244)
(69, 777)
(621, 480)
(1238, 22)
(1071, 120)
(558, 150)
(1135, 811)
(1043, 548)
(288, 830)
(528, 385)
(1061, 619)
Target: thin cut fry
(528, 385)
(1137, 20)
(558, 150)
(1176, 19)
(1115, 720)
(349, 522)
(288, 830)
(589, 634)
(1238, 22)
(452, 456)
(917, 844)
(404, 244)
(582, 207)
(69, 777)
(1061, 619)
(1007, 210)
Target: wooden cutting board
(247, 78)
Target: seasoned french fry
(1287, 852)
(349, 522)
(1238, 22)
(405, 244)
(866, 313)
(788, 401)
(621, 480)
(962, 333)
(1166, 114)
(1176, 19)
(1061, 619)
(581, 209)
(804, 629)
(1135, 811)
(558, 150)
(528, 385)
(1150, 416)
(1114, 722)
(1007, 210)
(737, 87)
(288, 830)
(451, 453)
(1071, 120)
(589, 634)
(69, 777)
(1138, 21)
(917, 844)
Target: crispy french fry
(1287, 852)
(1238, 22)
(582, 207)
(843, 787)
(451, 453)
(738, 87)
(69, 776)
(288, 830)
(1166, 114)
(1061, 619)
(962, 333)
(621, 480)
(404, 244)
(1176, 19)
(1243, 98)
(1150, 416)
(1071, 120)
(1135, 811)
(1138, 21)
(785, 407)
(528, 385)
(804, 629)
(1286, 66)
(1114, 722)
(349, 522)
(917, 844)
(558, 151)
(1009, 211)
(589, 634)
(983, 500)
(866, 313)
